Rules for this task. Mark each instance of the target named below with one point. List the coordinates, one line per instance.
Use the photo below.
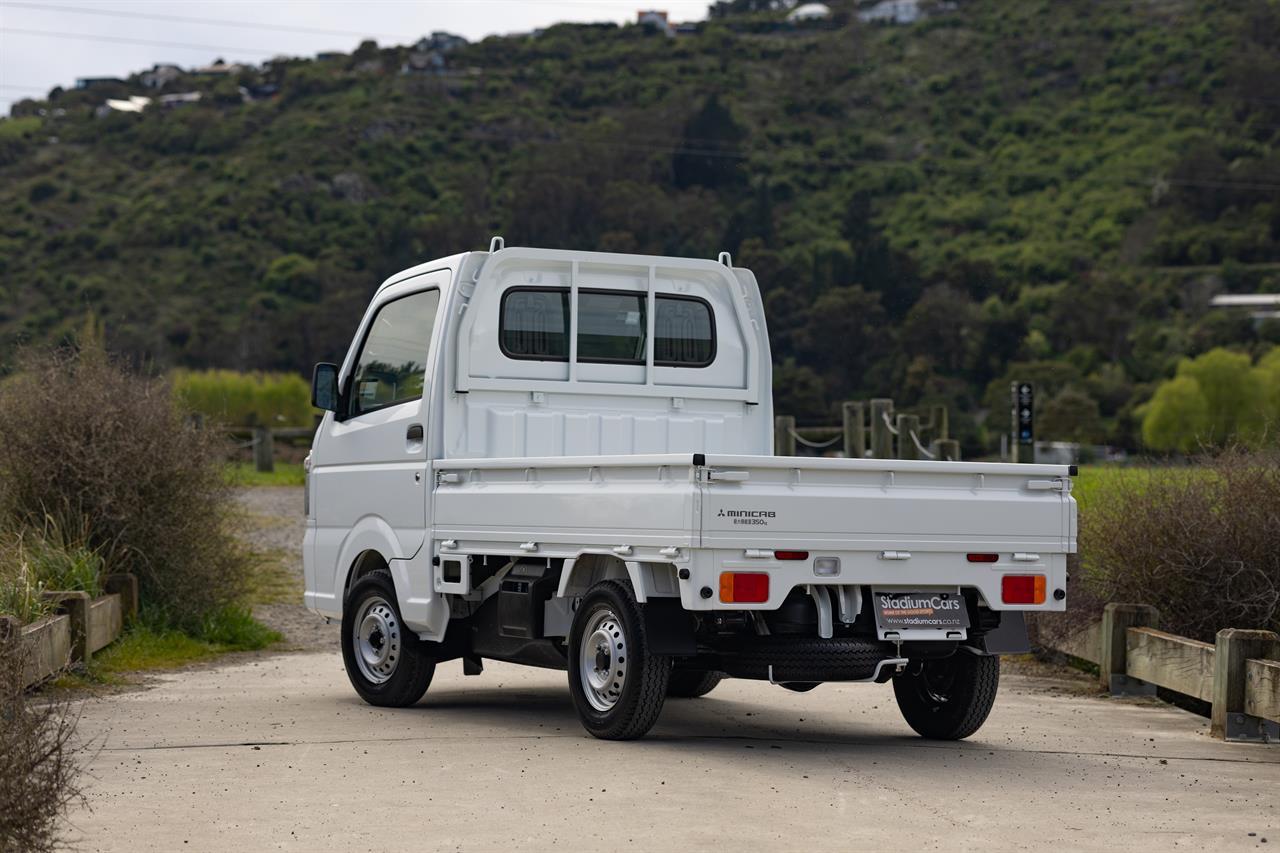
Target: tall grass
(33, 562)
(245, 399)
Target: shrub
(245, 399)
(1200, 544)
(38, 762)
(83, 442)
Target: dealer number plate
(920, 611)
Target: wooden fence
(80, 627)
(1239, 674)
(871, 429)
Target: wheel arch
(648, 579)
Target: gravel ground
(274, 528)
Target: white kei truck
(562, 459)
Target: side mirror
(324, 387)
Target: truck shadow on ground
(549, 711)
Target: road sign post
(1023, 417)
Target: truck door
(371, 492)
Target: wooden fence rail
(83, 627)
(1239, 674)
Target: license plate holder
(929, 615)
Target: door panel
(372, 482)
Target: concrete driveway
(277, 753)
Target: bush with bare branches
(86, 445)
(38, 759)
(1202, 544)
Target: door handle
(414, 433)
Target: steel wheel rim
(376, 638)
(602, 660)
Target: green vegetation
(1046, 190)
(1216, 399)
(35, 561)
(245, 399)
(245, 474)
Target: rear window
(535, 324)
(683, 332)
(611, 326)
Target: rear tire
(949, 699)
(387, 664)
(618, 685)
(692, 683)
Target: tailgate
(879, 505)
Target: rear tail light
(1022, 589)
(982, 558)
(791, 555)
(744, 587)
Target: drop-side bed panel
(567, 504)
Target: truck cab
(562, 459)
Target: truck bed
(893, 523)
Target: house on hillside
(655, 20)
(428, 62)
(439, 41)
(220, 68)
(160, 75)
(809, 13)
(90, 82)
(902, 11)
(132, 104)
(178, 99)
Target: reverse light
(791, 555)
(982, 558)
(826, 567)
(1022, 589)
(744, 587)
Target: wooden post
(940, 422)
(881, 436)
(76, 606)
(784, 436)
(854, 415)
(263, 450)
(1117, 619)
(945, 450)
(1234, 646)
(127, 585)
(907, 424)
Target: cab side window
(392, 365)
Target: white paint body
(569, 460)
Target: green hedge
(245, 399)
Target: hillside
(1049, 189)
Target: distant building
(895, 12)
(440, 41)
(219, 68)
(90, 82)
(809, 12)
(132, 104)
(428, 62)
(656, 20)
(160, 75)
(328, 55)
(178, 99)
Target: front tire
(386, 662)
(948, 699)
(618, 685)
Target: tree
(1177, 418)
(710, 151)
(1071, 415)
(1233, 392)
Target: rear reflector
(744, 587)
(1022, 589)
(982, 558)
(791, 555)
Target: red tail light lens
(791, 555)
(1022, 589)
(744, 587)
(982, 558)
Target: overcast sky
(47, 44)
